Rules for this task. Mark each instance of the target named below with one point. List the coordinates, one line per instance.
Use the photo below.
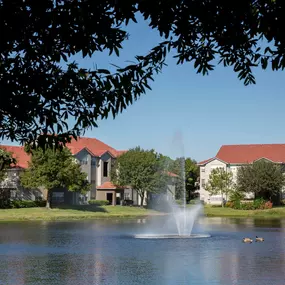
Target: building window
(83, 162)
(105, 169)
(127, 196)
(58, 197)
(203, 169)
(93, 161)
(203, 183)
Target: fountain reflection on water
(183, 216)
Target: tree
(141, 170)
(54, 168)
(191, 177)
(186, 179)
(41, 95)
(6, 160)
(263, 178)
(220, 182)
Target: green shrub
(5, 204)
(259, 203)
(236, 204)
(247, 206)
(98, 202)
(40, 203)
(26, 204)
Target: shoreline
(124, 212)
(76, 213)
(274, 213)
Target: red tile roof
(96, 147)
(109, 185)
(248, 153)
(92, 145)
(205, 161)
(19, 154)
(120, 152)
(172, 174)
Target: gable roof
(203, 162)
(96, 147)
(92, 145)
(19, 154)
(248, 153)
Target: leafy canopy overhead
(141, 170)
(36, 36)
(54, 169)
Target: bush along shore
(257, 204)
(275, 212)
(258, 208)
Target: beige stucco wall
(102, 195)
(204, 177)
(84, 155)
(204, 195)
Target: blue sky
(208, 111)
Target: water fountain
(182, 217)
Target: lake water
(104, 252)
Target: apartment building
(231, 157)
(96, 159)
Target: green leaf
(264, 62)
(105, 71)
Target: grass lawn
(74, 213)
(93, 212)
(278, 212)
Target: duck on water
(259, 239)
(248, 240)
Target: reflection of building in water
(99, 267)
(100, 270)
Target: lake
(104, 252)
